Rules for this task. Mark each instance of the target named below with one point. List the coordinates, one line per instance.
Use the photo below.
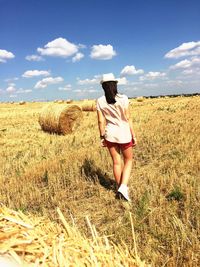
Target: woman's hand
(103, 143)
(134, 140)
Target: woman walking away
(116, 131)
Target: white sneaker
(123, 190)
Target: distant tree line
(173, 95)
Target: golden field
(41, 172)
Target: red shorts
(121, 146)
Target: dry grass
(32, 241)
(41, 172)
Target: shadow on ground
(94, 174)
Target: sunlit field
(41, 172)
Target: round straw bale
(68, 101)
(22, 102)
(60, 119)
(140, 99)
(60, 101)
(88, 106)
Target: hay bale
(140, 99)
(60, 101)
(88, 106)
(69, 101)
(22, 103)
(60, 119)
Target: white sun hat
(108, 77)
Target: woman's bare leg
(117, 167)
(128, 160)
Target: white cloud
(23, 91)
(12, 84)
(67, 87)
(11, 88)
(194, 71)
(92, 91)
(186, 63)
(77, 57)
(87, 81)
(122, 81)
(34, 58)
(182, 64)
(185, 49)
(195, 60)
(78, 91)
(130, 70)
(59, 47)
(48, 81)
(151, 85)
(85, 91)
(174, 82)
(12, 96)
(102, 52)
(11, 79)
(35, 73)
(152, 75)
(5, 55)
(82, 46)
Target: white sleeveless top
(117, 127)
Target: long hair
(110, 90)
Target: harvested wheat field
(62, 187)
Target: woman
(116, 131)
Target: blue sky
(59, 49)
